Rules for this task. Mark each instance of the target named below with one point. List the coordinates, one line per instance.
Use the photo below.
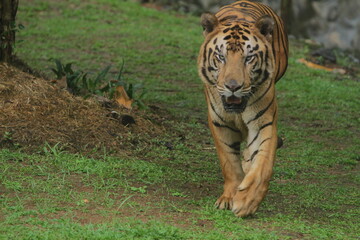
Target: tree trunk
(287, 14)
(8, 9)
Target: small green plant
(17, 27)
(177, 194)
(7, 136)
(80, 83)
(139, 189)
(55, 150)
(13, 28)
(72, 77)
(7, 139)
(12, 185)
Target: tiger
(243, 55)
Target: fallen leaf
(122, 98)
(313, 65)
(317, 66)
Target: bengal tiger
(244, 53)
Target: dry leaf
(60, 83)
(122, 98)
(313, 65)
(317, 66)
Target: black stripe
(226, 30)
(260, 113)
(236, 27)
(257, 135)
(259, 71)
(235, 146)
(230, 17)
(254, 154)
(210, 69)
(203, 71)
(216, 113)
(230, 8)
(264, 78)
(261, 58)
(209, 54)
(266, 55)
(265, 125)
(264, 141)
(235, 153)
(216, 124)
(264, 93)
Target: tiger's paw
(249, 196)
(224, 202)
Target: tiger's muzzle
(234, 97)
(234, 104)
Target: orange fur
(243, 55)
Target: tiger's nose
(233, 85)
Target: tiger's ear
(266, 24)
(208, 22)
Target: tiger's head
(236, 58)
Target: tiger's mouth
(234, 104)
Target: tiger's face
(236, 59)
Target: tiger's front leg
(227, 139)
(258, 161)
(227, 143)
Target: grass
(165, 189)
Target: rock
(127, 120)
(326, 53)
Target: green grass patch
(166, 187)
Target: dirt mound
(34, 112)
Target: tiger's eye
(249, 58)
(220, 57)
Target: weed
(7, 140)
(7, 136)
(177, 194)
(12, 185)
(55, 150)
(13, 28)
(139, 189)
(81, 83)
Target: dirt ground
(33, 112)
